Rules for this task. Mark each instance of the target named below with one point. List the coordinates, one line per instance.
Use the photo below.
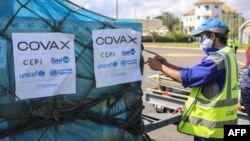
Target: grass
(188, 45)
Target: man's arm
(168, 69)
(165, 62)
(210, 69)
(172, 72)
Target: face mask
(206, 43)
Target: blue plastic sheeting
(65, 117)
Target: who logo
(54, 72)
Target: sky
(141, 9)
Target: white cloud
(151, 8)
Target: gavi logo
(62, 60)
(128, 52)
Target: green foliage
(154, 35)
(173, 37)
(233, 20)
(165, 39)
(158, 17)
(147, 39)
(169, 20)
(174, 25)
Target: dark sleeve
(207, 71)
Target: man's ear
(212, 36)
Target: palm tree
(154, 35)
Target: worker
(245, 85)
(213, 100)
(230, 43)
(235, 45)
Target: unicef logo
(108, 65)
(32, 74)
(54, 72)
(41, 73)
(132, 51)
(66, 59)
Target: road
(185, 57)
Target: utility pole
(147, 25)
(117, 9)
(135, 12)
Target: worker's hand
(178, 110)
(155, 64)
(161, 59)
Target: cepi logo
(108, 65)
(40, 73)
(128, 52)
(107, 54)
(64, 59)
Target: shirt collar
(209, 51)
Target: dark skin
(171, 70)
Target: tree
(159, 17)
(154, 35)
(233, 20)
(170, 20)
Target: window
(216, 6)
(207, 7)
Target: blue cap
(213, 25)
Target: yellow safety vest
(236, 43)
(206, 117)
(230, 43)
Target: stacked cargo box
(92, 114)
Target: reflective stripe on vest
(206, 117)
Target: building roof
(225, 9)
(208, 1)
(190, 13)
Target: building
(244, 33)
(153, 25)
(205, 9)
